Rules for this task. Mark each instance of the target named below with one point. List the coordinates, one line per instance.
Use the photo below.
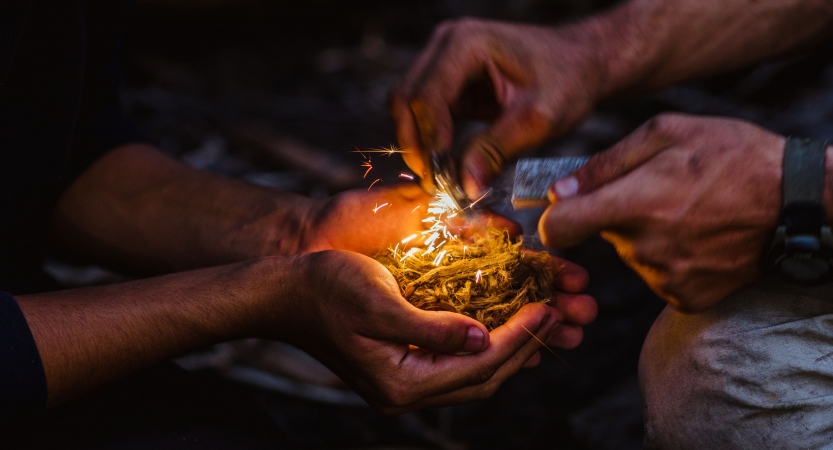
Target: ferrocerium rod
(533, 176)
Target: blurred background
(279, 93)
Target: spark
(409, 253)
(429, 219)
(478, 276)
(480, 198)
(548, 348)
(439, 258)
(371, 184)
(369, 168)
(418, 206)
(406, 176)
(409, 238)
(378, 207)
(386, 150)
(432, 238)
(451, 216)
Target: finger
(480, 222)
(569, 222)
(533, 361)
(407, 134)
(484, 157)
(566, 336)
(506, 363)
(578, 309)
(437, 331)
(447, 373)
(571, 277)
(634, 150)
(421, 105)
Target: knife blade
(533, 176)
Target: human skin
(693, 238)
(533, 83)
(689, 202)
(280, 271)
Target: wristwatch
(802, 247)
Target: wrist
(828, 183)
(269, 289)
(275, 225)
(627, 42)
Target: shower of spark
(437, 235)
(439, 211)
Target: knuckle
(483, 374)
(394, 396)
(543, 231)
(445, 27)
(666, 124)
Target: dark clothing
(162, 408)
(59, 111)
(21, 373)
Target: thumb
(486, 154)
(440, 331)
(570, 222)
(634, 150)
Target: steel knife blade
(533, 176)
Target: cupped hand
(570, 303)
(370, 221)
(688, 202)
(531, 82)
(347, 312)
(366, 221)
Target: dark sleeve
(22, 380)
(102, 125)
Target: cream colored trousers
(754, 372)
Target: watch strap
(803, 179)
(803, 186)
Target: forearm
(138, 209)
(650, 44)
(88, 337)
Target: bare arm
(320, 302)
(140, 209)
(542, 81)
(88, 337)
(649, 44)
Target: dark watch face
(805, 266)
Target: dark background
(279, 93)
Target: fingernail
(566, 187)
(475, 340)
